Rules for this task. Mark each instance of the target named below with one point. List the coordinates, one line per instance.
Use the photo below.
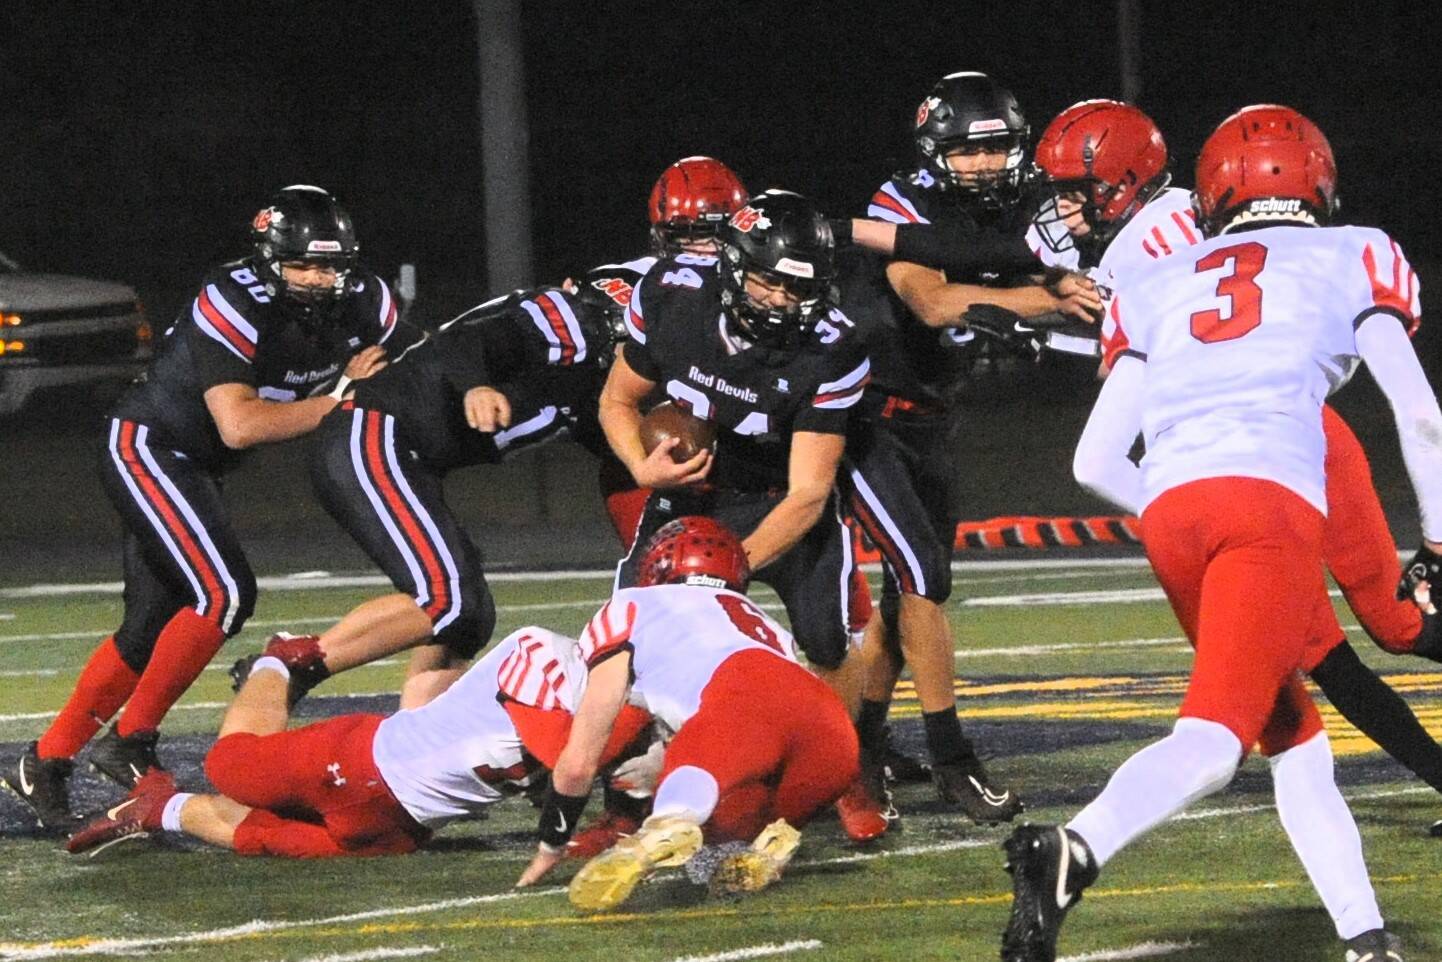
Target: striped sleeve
(1394, 284)
(532, 674)
(1177, 231)
(387, 311)
(608, 633)
(1115, 342)
(636, 315)
(552, 315)
(217, 319)
(888, 204)
(845, 390)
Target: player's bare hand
(1078, 296)
(365, 362)
(545, 860)
(659, 471)
(487, 409)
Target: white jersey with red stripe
(678, 635)
(1244, 336)
(446, 759)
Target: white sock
(1197, 758)
(170, 818)
(688, 792)
(1324, 835)
(270, 663)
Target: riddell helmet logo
(986, 126)
(614, 288)
(1275, 205)
(748, 217)
(924, 111)
(262, 219)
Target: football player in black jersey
(508, 373)
(254, 359)
(899, 472)
(750, 340)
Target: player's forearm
(258, 421)
(1385, 347)
(621, 421)
(786, 524)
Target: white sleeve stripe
(851, 379)
(572, 325)
(553, 354)
(840, 402)
(246, 329)
(203, 322)
(388, 317)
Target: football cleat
(760, 865)
(601, 834)
(1049, 866)
(607, 880)
(865, 809)
(136, 817)
(301, 655)
(44, 785)
(1436, 830)
(901, 767)
(1378, 945)
(969, 789)
(125, 759)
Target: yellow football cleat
(609, 879)
(761, 864)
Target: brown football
(669, 421)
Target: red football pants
(624, 501)
(324, 780)
(1240, 562)
(1358, 546)
(778, 742)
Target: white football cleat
(664, 841)
(761, 864)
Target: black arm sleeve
(961, 251)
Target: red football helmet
(694, 550)
(1265, 163)
(690, 201)
(1109, 152)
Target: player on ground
(761, 745)
(367, 784)
(1280, 309)
(749, 340)
(899, 469)
(252, 360)
(1107, 164)
(503, 375)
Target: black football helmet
(785, 239)
(969, 109)
(304, 223)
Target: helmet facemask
(776, 327)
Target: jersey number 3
(749, 621)
(1240, 286)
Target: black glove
(841, 230)
(1005, 328)
(1426, 566)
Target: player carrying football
(253, 360)
(1237, 342)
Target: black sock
(871, 724)
(948, 746)
(1379, 712)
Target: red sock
(102, 688)
(185, 646)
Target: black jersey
(543, 349)
(757, 396)
(909, 359)
(234, 333)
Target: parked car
(59, 330)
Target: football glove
(638, 776)
(1424, 568)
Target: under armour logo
(334, 769)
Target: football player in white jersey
(1278, 309)
(370, 785)
(761, 744)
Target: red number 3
(1239, 286)
(748, 620)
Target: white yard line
(1143, 950)
(367, 954)
(755, 951)
(198, 705)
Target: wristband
(559, 815)
(341, 386)
(841, 230)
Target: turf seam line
(755, 951)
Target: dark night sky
(139, 137)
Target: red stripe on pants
(430, 563)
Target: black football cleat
(970, 789)
(899, 767)
(44, 785)
(125, 760)
(1049, 866)
(1378, 945)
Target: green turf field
(1065, 671)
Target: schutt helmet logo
(748, 217)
